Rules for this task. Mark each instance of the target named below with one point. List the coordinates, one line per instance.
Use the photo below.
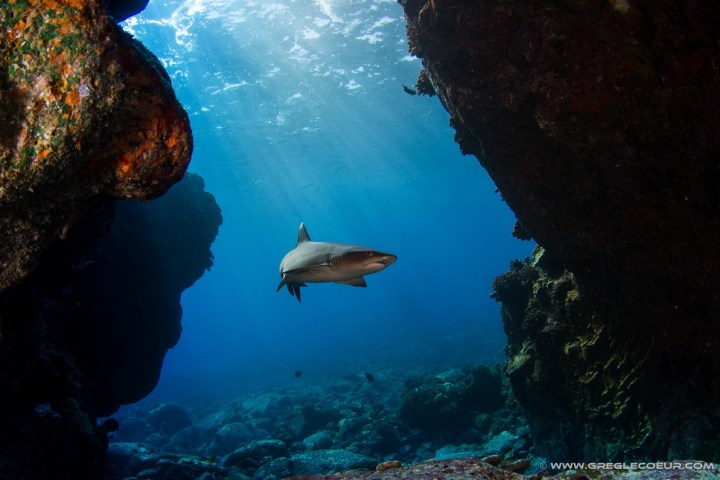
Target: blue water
(299, 115)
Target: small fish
(369, 377)
(319, 262)
(83, 265)
(409, 90)
(298, 373)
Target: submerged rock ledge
(598, 122)
(86, 113)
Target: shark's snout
(379, 261)
(387, 259)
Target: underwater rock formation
(86, 113)
(446, 403)
(88, 330)
(121, 10)
(89, 286)
(598, 122)
(457, 469)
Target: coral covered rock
(87, 116)
(466, 468)
(450, 401)
(85, 112)
(598, 123)
(458, 469)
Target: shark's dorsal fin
(302, 235)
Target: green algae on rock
(555, 334)
(87, 112)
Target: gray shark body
(319, 262)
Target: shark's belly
(323, 274)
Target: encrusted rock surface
(473, 468)
(459, 469)
(598, 122)
(85, 112)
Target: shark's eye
(370, 254)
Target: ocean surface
(299, 115)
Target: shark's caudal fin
(302, 235)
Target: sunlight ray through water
(299, 114)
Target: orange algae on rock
(86, 111)
(388, 465)
(73, 98)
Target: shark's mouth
(381, 263)
(387, 260)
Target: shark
(321, 262)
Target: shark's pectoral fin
(282, 282)
(355, 282)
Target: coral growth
(87, 112)
(447, 403)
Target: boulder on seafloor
(228, 437)
(128, 460)
(598, 123)
(86, 113)
(169, 418)
(315, 462)
(321, 440)
(450, 401)
(249, 458)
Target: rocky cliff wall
(599, 122)
(90, 279)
